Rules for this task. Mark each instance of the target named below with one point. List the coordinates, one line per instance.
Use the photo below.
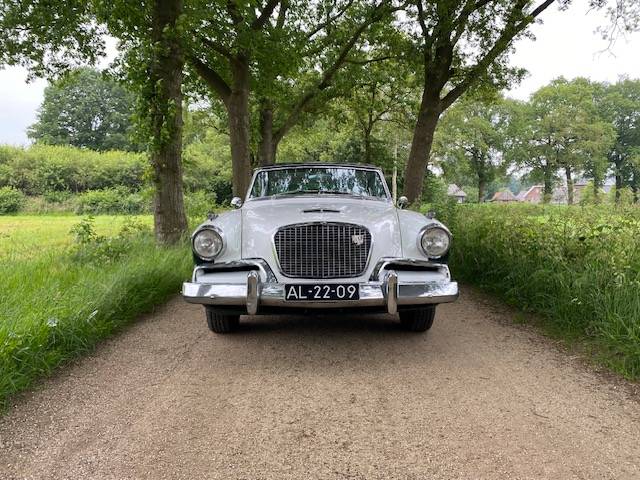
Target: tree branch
(211, 78)
(511, 29)
(216, 47)
(470, 7)
(282, 14)
(423, 26)
(328, 75)
(233, 11)
(268, 9)
(371, 60)
(321, 26)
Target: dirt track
(332, 398)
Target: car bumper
(252, 293)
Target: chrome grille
(323, 250)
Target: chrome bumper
(388, 294)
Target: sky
(566, 45)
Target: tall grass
(578, 267)
(59, 303)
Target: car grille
(323, 250)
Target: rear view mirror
(403, 202)
(236, 202)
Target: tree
(569, 126)
(85, 108)
(620, 105)
(471, 139)
(446, 29)
(382, 92)
(281, 58)
(560, 128)
(50, 37)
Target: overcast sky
(566, 45)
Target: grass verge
(58, 304)
(578, 267)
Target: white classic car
(314, 237)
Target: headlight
(435, 241)
(207, 243)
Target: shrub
(44, 168)
(111, 201)
(198, 204)
(11, 200)
(578, 267)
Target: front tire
(220, 323)
(419, 320)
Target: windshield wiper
(336, 192)
(297, 192)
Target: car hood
(262, 218)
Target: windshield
(319, 180)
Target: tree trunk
(165, 78)
(482, 186)
(569, 175)
(618, 174)
(421, 145)
(239, 129)
(268, 145)
(548, 184)
(367, 146)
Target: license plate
(321, 292)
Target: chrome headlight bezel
(217, 231)
(426, 229)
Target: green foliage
(111, 201)
(57, 173)
(625, 196)
(590, 196)
(85, 108)
(579, 268)
(11, 200)
(199, 204)
(562, 128)
(471, 142)
(434, 189)
(59, 303)
(101, 249)
(41, 169)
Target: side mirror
(403, 202)
(236, 202)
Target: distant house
(561, 194)
(456, 192)
(504, 196)
(533, 195)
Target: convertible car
(318, 237)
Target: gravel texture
(326, 397)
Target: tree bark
(548, 184)
(482, 186)
(367, 146)
(239, 126)
(421, 145)
(618, 175)
(268, 145)
(569, 175)
(165, 78)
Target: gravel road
(330, 398)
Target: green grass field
(30, 235)
(60, 297)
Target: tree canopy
(86, 108)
